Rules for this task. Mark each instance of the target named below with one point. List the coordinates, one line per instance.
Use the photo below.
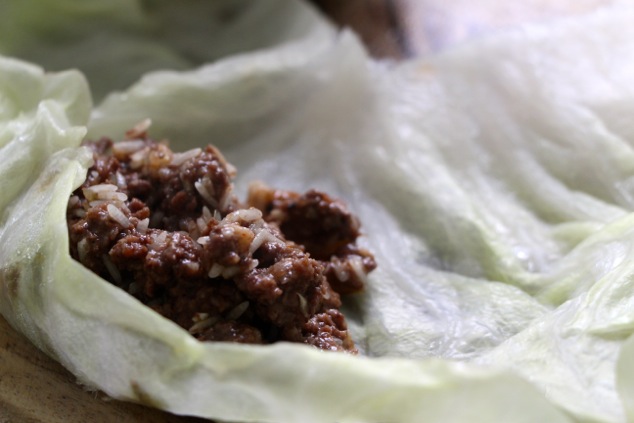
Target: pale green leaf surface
(115, 42)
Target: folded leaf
(494, 187)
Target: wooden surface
(377, 22)
(34, 388)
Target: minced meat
(167, 228)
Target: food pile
(167, 228)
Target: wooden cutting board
(36, 389)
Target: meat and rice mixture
(167, 228)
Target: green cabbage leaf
(495, 184)
(114, 42)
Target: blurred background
(403, 28)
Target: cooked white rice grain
(237, 311)
(180, 158)
(207, 214)
(139, 158)
(121, 181)
(118, 216)
(112, 196)
(250, 215)
(81, 213)
(270, 237)
(204, 191)
(340, 269)
(73, 201)
(259, 239)
(193, 267)
(216, 270)
(199, 317)
(125, 148)
(112, 269)
(93, 192)
(140, 129)
(203, 221)
(231, 169)
(226, 198)
(101, 188)
(356, 263)
(160, 238)
(230, 272)
(98, 203)
(303, 304)
(143, 225)
(82, 249)
(201, 224)
(203, 324)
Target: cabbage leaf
(113, 43)
(494, 183)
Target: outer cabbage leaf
(113, 43)
(494, 184)
(111, 341)
(40, 115)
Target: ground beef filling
(167, 228)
